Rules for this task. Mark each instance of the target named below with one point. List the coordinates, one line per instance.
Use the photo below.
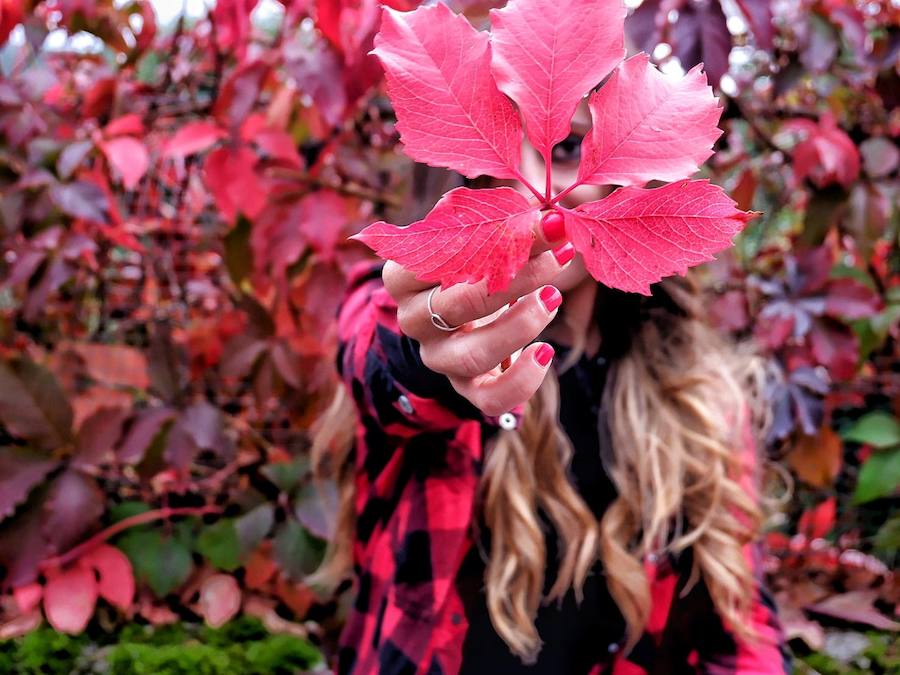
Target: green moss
(241, 647)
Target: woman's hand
(470, 357)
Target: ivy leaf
(164, 563)
(297, 552)
(878, 429)
(450, 112)
(546, 57)
(32, 404)
(636, 236)
(879, 476)
(20, 471)
(647, 126)
(220, 544)
(469, 235)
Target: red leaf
(74, 506)
(818, 521)
(129, 157)
(114, 364)
(193, 138)
(547, 56)
(317, 70)
(129, 124)
(20, 471)
(220, 599)
(827, 155)
(116, 577)
(851, 299)
(647, 126)
(10, 17)
(232, 19)
(836, 347)
(97, 437)
(635, 237)
(701, 35)
(759, 16)
(228, 173)
(69, 600)
(469, 235)
(239, 93)
(450, 112)
(28, 597)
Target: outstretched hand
(489, 333)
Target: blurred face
(565, 158)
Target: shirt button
(613, 647)
(455, 618)
(405, 404)
(508, 421)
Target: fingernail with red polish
(551, 297)
(564, 253)
(543, 354)
(553, 225)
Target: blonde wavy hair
(677, 401)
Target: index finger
(549, 231)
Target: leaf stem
(114, 529)
(534, 190)
(548, 170)
(562, 194)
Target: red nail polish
(551, 297)
(564, 253)
(543, 354)
(553, 225)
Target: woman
(586, 505)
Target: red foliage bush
(175, 212)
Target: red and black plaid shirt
(418, 456)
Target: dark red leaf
(851, 299)
(20, 471)
(239, 94)
(836, 347)
(146, 425)
(317, 71)
(81, 199)
(32, 405)
(98, 436)
(73, 508)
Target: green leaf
(127, 510)
(887, 539)
(878, 429)
(32, 404)
(879, 476)
(297, 552)
(220, 545)
(164, 563)
(253, 526)
(286, 475)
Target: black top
(568, 630)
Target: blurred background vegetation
(177, 184)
